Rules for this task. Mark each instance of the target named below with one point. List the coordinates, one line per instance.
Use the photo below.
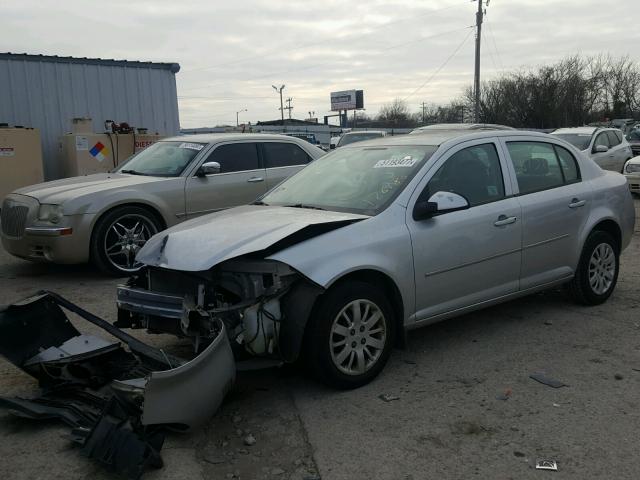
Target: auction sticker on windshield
(394, 162)
(192, 146)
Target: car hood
(59, 191)
(202, 243)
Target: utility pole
(424, 106)
(279, 90)
(289, 107)
(238, 113)
(476, 80)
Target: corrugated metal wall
(48, 94)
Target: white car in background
(632, 172)
(606, 146)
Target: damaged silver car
(341, 259)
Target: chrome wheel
(358, 337)
(124, 238)
(602, 268)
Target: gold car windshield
(162, 159)
(352, 179)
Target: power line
(495, 46)
(322, 42)
(448, 59)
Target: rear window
(613, 138)
(542, 166)
(278, 154)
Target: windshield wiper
(304, 205)
(260, 202)
(132, 172)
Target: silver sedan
(108, 217)
(341, 260)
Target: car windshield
(579, 140)
(162, 159)
(357, 137)
(354, 179)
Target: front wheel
(597, 272)
(119, 235)
(350, 335)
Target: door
(465, 257)
(555, 206)
(606, 160)
(241, 180)
(620, 153)
(282, 159)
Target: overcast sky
(231, 52)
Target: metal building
(47, 92)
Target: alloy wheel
(124, 239)
(358, 337)
(602, 268)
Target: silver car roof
(225, 137)
(438, 137)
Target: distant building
(47, 92)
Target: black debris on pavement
(551, 382)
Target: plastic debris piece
(387, 397)
(546, 465)
(505, 395)
(551, 382)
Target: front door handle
(575, 203)
(255, 179)
(504, 220)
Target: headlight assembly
(632, 168)
(50, 213)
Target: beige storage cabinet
(87, 153)
(20, 159)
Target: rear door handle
(504, 220)
(575, 203)
(255, 179)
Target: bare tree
(396, 114)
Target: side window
(536, 165)
(602, 139)
(569, 165)
(613, 138)
(619, 135)
(284, 155)
(474, 173)
(236, 157)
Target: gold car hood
(57, 192)
(204, 242)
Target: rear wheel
(119, 235)
(598, 269)
(350, 335)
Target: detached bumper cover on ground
(116, 399)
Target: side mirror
(439, 203)
(332, 146)
(208, 168)
(600, 149)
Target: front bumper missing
(117, 400)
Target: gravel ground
(448, 418)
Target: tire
(362, 356)
(114, 241)
(597, 272)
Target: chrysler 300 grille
(13, 219)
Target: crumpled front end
(117, 396)
(263, 304)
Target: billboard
(347, 100)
